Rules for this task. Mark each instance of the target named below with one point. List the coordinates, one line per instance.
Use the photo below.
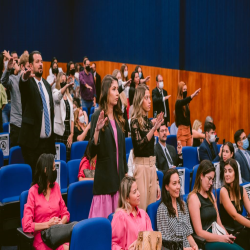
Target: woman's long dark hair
(165, 195)
(136, 69)
(132, 88)
(52, 60)
(235, 190)
(45, 161)
(68, 67)
(118, 115)
(222, 163)
(1, 64)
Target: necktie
(165, 112)
(168, 156)
(45, 110)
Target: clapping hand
(10, 63)
(127, 83)
(27, 74)
(179, 147)
(101, 121)
(159, 121)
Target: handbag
(89, 173)
(149, 240)
(57, 235)
(217, 229)
(172, 245)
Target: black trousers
(14, 134)
(31, 155)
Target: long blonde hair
(137, 104)
(58, 85)
(196, 125)
(124, 191)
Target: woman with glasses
(203, 210)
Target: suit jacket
(60, 112)
(244, 167)
(161, 160)
(158, 104)
(32, 112)
(107, 180)
(97, 86)
(205, 152)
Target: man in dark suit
(36, 134)
(208, 149)
(166, 156)
(160, 100)
(243, 155)
(97, 79)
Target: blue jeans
(87, 104)
(6, 113)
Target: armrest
(230, 230)
(27, 236)
(199, 240)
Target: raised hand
(159, 121)
(127, 83)
(147, 79)
(166, 97)
(101, 121)
(27, 74)
(196, 93)
(10, 63)
(6, 54)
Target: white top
(50, 80)
(59, 70)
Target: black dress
(77, 132)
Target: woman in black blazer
(108, 143)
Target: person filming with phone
(208, 149)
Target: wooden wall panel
(46, 67)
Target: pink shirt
(116, 141)
(38, 210)
(125, 228)
(84, 164)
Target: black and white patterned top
(173, 228)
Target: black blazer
(161, 160)
(158, 104)
(107, 179)
(98, 87)
(32, 112)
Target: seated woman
(203, 210)
(87, 163)
(232, 198)
(82, 127)
(45, 206)
(172, 215)
(227, 153)
(128, 219)
(198, 136)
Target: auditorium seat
(78, 149)
(80, 196)
(160, 178)
(190, 157)
(152, 213)
(172, 140)
(186, 172)
(93, 234)
(92, 110)
(128, 144)
(110, 217)
(1, 158)
(63, 179)
(127, 156)
(156, 139)
(16, 156)
(194, 175)
(6, 127)
(5, 144)
(90, 117)
(219, 146)
(246, 185)
(14, 179)
(73, 169)
(85, 109)
(62, 152)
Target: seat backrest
(156, 139)
(14, 179)
(63, 174)
(246, 185)
(217, 197)
(194, 176)
(127, 156)
(85, 109)
(219, 146)
(128, 144)
(92, 110)
(110, 217)
(152, 213)
(78, 149)
(160, 178)
(184, 174)
(172, 140)
(73, 169)
(190, 157)
(6, 127)
(1, 158)
(5, 144)
(90, 117)
(79, 200)
(16, 156)
(23, 200)
(94, 233)
(62, 151)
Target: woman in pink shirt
(45, 206)
(128, 219)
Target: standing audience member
(3, 95)
(108, 143)
(87, 166)
(11, 82)
(53, 60)
(128, 219)
(160, 100)
(139, 70)
(51, 79)
(75, 88)
(203, 210)
(45, 206)
(172, 215)
(165, 154)
(87, 87)
(77, 68)
(36, 134)
(64, 117)
(232, 198)
(142, 134)
(227, 153)
(97, 80)
(198, 136)
(82, 127)
(208, 149)
(243, 155)
(135, 81)
(182, 114)
(124, 73)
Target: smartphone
(217, 139)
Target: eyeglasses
(210, 179)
